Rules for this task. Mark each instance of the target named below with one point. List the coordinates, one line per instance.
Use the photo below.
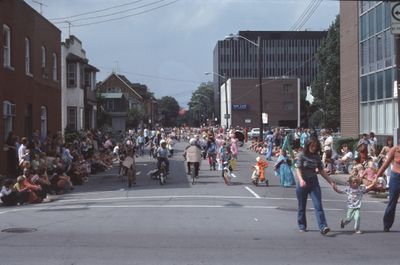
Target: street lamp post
(258, 45)
(226, 96)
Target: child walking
(354, 194)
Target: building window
(8, 117)
(71, 118)
(372, 22)
(6, 46)
(71, 75)
(364, 88)
(372, 87)
(54, 67)
(388, 83)
(81, 118)
(81, 77)
(27, 57)
(110, 105)
(363, 27)
(364, 57)
(287, 89)
(88, 79)
(388, 48)
(379, 85)
(288, 106)
(43, 122)
(379, 18)
(43, 62)
(372, 51)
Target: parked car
(255, 132)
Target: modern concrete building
(283, 54)
(30, 91)
(78, 84)
(367, 69)
(281, 102)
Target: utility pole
(41, 5)
(69, 27)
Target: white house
(78, 83)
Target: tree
(103, 117)
(169, 109)
(201, 105)
(326, 85)
(135, 116)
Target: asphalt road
(104, 222)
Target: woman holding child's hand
(308, 163)
(394, 185)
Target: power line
(115, 13)
(96, 11)
(119, 18)
(296, 23)
(310, 15)
(155, 77)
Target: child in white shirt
(354, 194)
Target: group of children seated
(44, 175)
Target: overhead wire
(111, 14)
(310, 14)
(96, 11)
(119, 18)
(309, 6)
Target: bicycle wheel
(193, 174)
(162, 174)
(130, 178)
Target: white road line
(156, 197)
(252, 192)
(72, 197)
(187, 206)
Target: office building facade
(368, 70)
(283, 54)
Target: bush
(351, 142)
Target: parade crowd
(39, 167)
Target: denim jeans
(394, 191)
(312, 187)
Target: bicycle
(192, 172)
(162, 173)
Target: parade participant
(307, 164)
(283, 170)
(193, 157)
(394, 185)
(259, 172)
(354, 194)
(162, 155)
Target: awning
(112, 95)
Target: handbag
(128, 162)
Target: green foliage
(103, 118)
(201, 105)
(70, 135)
(169, 109)
(326, 85)
(135, 116)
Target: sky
(168, 44)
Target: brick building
(29, 73)
(367, 69)
(280, 102)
